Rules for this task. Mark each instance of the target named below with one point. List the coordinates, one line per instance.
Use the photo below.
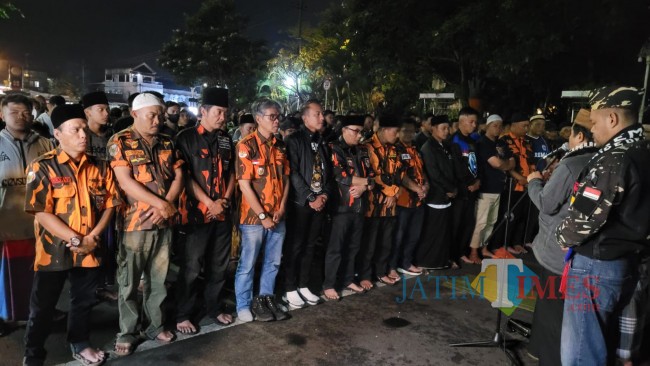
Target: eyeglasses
(356, 132)
(272, 117)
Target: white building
(120, 83)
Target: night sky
(61, 36)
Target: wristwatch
(311, 197)
(261, 216)
(75, 241)
(371, 180)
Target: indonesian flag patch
(592, 193)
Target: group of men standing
(397, 202)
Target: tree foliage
(6, 8)
(514, 53)
(213, 49)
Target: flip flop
(86, 362)
(385, 282)
(129, 349)
(363, 291)
(337, 298)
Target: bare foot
(387, 280)
(186, 327)
(415, 269)
(465, 259)
(521, 249)
(165, 336)
(355, 288)
(486, 253)
(331, 294)
(393, 275)
(224, 319)
(92, 355)
(367, 285)
(123, 349)
(454, 265)
(474, 258)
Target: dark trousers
(547, 322)
(46, 289)
(304, 227)
(407, 235)
(344, 244)
(463, 220)
(532, 223)
(376, 246)
(517, 227)
(433, 250)
(207, 247)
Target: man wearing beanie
(380, 222)
(606, 232)
(205, 210)
(151, 178)
(95, 106)
(354, 176)
(98, 132)
(311, 177)
(72, 196)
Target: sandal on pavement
(86, 362)
(386, 282)
(125, 349)
(331, 298)
(363, 291)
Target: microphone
(552, 157)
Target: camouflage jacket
(610, 206)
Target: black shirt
(492, 180)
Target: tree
(214, 50)
(514, 53)
(6, 8)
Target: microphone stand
(498, 339)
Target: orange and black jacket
(349, 161)
(522, 151)
(264, 162)
(414, 170)
(389, 171)
(152, 165)
(78, 194)
(209, 160)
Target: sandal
(332, 298)
(381, 279)
(86, 362)
(363, 291)
(127, 349)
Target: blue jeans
(596, 292)
(252, 238)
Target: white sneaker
(294, 300)
(310, 298)
(245, 316)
